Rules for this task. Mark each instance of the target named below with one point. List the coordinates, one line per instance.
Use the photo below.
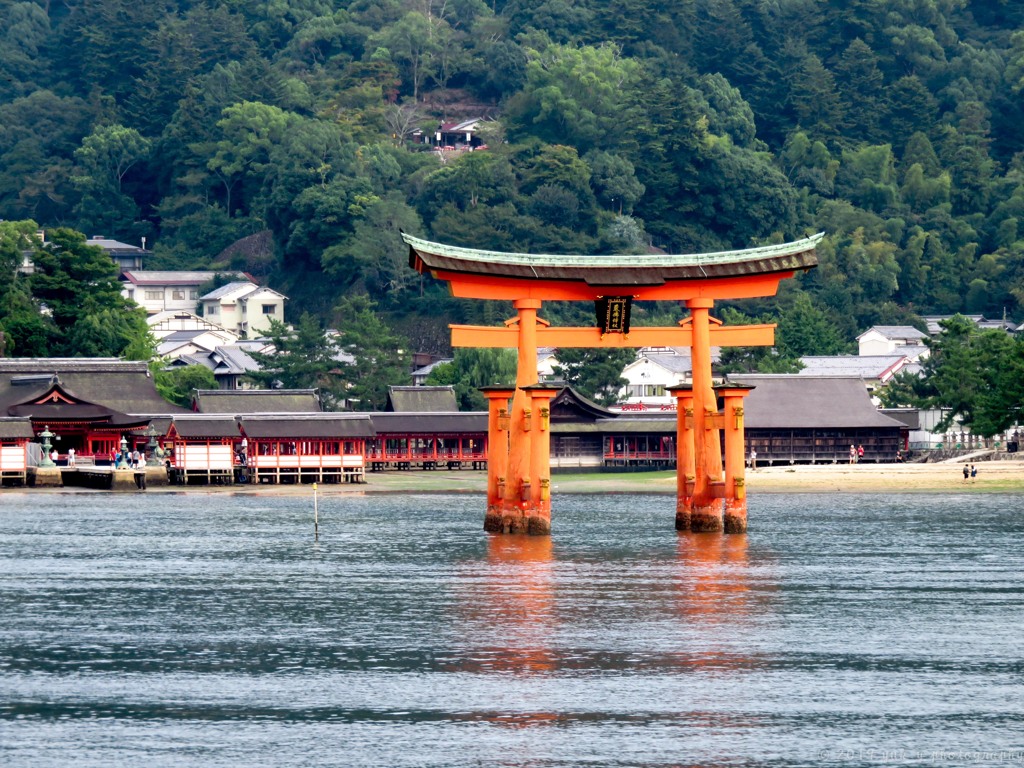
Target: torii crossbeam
(519, 474)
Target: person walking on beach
(860, 453)
(753, 459)
(853, 454)
(967, 472)
(974, 473)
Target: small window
(194, 293)
(178, 294)
(212, 310)
(154, 295)
(269, 309)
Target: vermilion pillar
(706, 514)
(735, 475)
(518, 483)
(684, 454)
(498, 420)
(538, 514)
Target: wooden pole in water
(316, 517)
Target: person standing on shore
(974, 473)
(860, 453)
(853, 454)
(753, 459)
(967, 472)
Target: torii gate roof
(618, 270)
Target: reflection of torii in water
(518, 489)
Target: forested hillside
(896, 127)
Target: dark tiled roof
(437, 423)
(324, 425)
(239, 401)
(233, 359)
(14, 428)
(622, 425)
(421, 399)
(909, 417)
(569, 406)
(805, 402)
(119, 385)
(206, 426)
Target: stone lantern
(46, 434)
(153, 452)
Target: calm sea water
(210, 630)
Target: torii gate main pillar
(519, 443)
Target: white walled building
(651, 374)
(244, 308)
(892, 340)
(171, 290)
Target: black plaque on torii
(613, 313)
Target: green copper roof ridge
(616, 260)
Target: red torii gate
(519, 474)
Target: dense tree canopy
(896, 128)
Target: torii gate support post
(497, 454)
(685, 468)
(538, 512)
(735, 476)
(706, 512)
(518, 484)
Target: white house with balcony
(244, 308)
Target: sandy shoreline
(995, 476)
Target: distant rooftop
(114, 245)
(906, 332)
(177, 277)
(863, 366)
(229, 289)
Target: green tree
(178, 385)
(102, 164)
(304, 357)
(595, 373)
(860, 83)
(581, 97)
(78, 286)
(471, 369)
(411, 44)
(376, 357)
(806, 329)
(973, 375)
(249, 131)
(775, 359)
(377, 250)
(613, 178)
(815, 100)
(26, 331)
